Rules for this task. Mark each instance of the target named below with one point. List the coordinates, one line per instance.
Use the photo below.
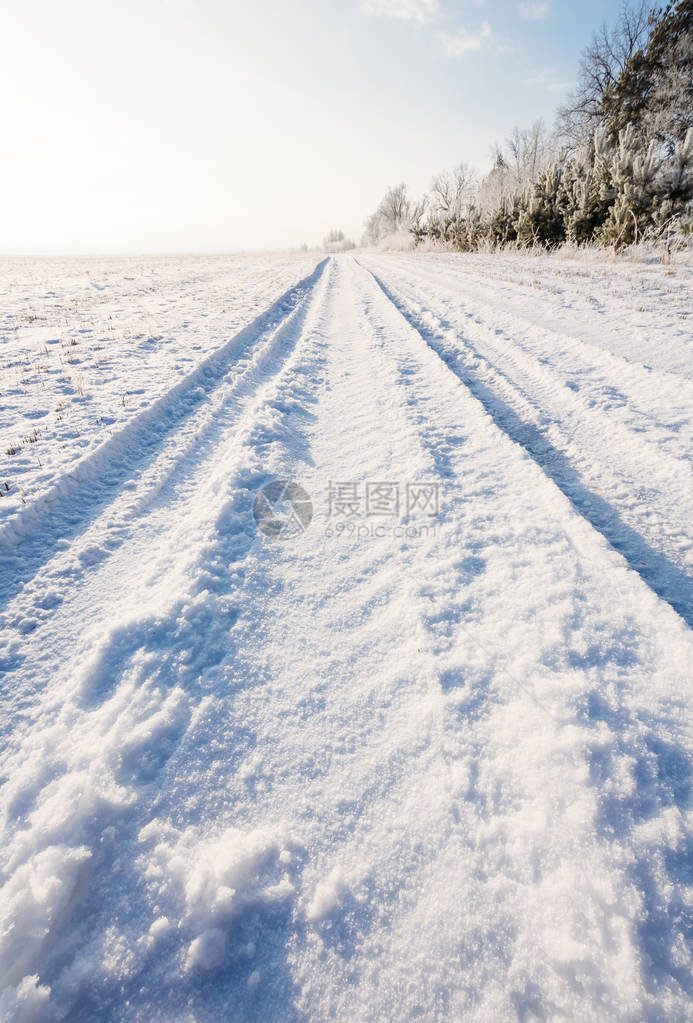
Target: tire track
(663, 575)
(97, 481)
(566, 292)
(310, 762)
(109, 716)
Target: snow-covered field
(424, 757)
(86, 345)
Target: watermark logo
(354, 509)
(381, 498)
(376, 509)
(282, 510)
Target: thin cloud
(455, 44)
(404, 10)
(534, 11)
(546, 80)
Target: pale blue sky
(193, 125)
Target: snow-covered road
(427, 757)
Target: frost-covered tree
(633, 172)
(396, 213)
(614, 192)
(603, 62)
(337, 241)
(448, 202)
(516, 164)
(669, 112)
(586, 191)
(654, 91)
(451, 192)
(527, 152)
(625, 176)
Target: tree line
(616, 168)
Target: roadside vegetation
(616, 169)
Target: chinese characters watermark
(381, 498)
(357, 509)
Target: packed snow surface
(346, 645)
